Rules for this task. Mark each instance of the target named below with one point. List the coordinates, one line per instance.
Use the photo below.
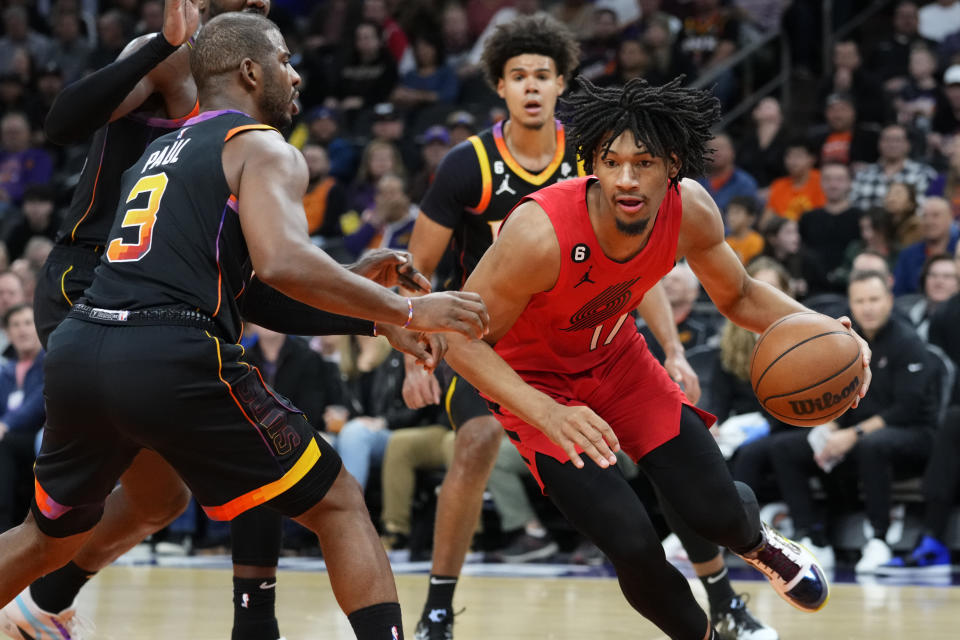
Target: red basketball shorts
(631, 391)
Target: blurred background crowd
(838, 154)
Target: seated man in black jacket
(941, 482)
(891, 430)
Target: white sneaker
(22, 619)
(673, 549)
(777, 515)
(825, 556)
(875, 553)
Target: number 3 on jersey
(143, 219)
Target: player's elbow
(57, 131)
(276, 270)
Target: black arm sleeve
(458, 184)
(264, 305)
(86, 105)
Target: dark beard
(632, 228)
(275, 104)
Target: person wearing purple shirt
(20, 164)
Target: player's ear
(500, 88)
(673, 165)
(561, 84)
(250, 72)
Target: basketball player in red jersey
(147, 92)
(565, 377)
(527, 62)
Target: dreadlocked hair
(666, 120)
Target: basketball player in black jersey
(478, 182)
(148, 357)
(129, 100)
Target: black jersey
(115, 147)
(478, 183)
(176, 240)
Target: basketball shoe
(874, 554)
(435, 624)
(931, 557)
(733, 621)
(24, 620)
(793, 571)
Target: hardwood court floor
(148, 603)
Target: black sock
(56, 591)
(254, 613)
(377, 622)
(440, 594)
(719, 591)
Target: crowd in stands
(848, 198)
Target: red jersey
(579, 323)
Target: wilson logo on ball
(807, 406)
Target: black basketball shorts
(178, 390)
(66, 274)
(461, 399)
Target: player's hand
(3, 430)
(420, 387)
(578, 426)
(866, 353)
(684, 375)
(181, 18)
(390, 268)
(459, 311)
(427, 349)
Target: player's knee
(165, 509)
(478, 441)
(48, 551)
(625, 548)
(345, 494)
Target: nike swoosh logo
(717, 578)
(439, 581)
(265, 585)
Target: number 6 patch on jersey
(144, 219)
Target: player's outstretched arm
(523, 261)
(749, 303)
(123, 85)
(270, 177)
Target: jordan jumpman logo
(585, 278)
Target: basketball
(806, 369)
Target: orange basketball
(806, 369)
